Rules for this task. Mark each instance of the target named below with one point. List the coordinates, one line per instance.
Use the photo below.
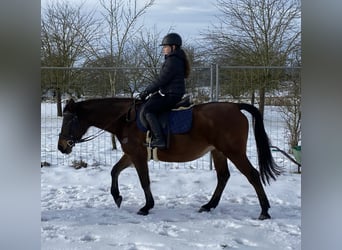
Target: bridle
(71, 125)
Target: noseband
(70, 141)
(72, 125)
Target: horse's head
(72, 128)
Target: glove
(143, 95)
(149, 89)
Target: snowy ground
(78, 212)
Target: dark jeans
(157, 104)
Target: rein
(128, 115)
(91, 137)
(71, 141)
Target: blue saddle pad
(175, 121)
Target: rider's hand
(143, 95)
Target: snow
(78, 212)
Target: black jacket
(171, 77)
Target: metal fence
(279, 85)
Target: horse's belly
(174, 155)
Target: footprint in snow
(245, 242)
(89, 238)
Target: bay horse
(219, 127)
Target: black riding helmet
(172, 39)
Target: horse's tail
(268, 168)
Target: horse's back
(216, 113)
(221, 122)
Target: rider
(167, 89)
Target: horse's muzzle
(64, 147)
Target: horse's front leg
(142, 170)
(123, 163)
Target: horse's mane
(106, 101)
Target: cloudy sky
(188, 18)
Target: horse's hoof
(142, 212)
(264, 216)
(118, 201)
(204, 209)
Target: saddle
(176, 121)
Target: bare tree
(67, 33)
(291, 112)
(121, 18)
(257, 33)
(149, 42)
(143, 57)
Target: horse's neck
(105, 114)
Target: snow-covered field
(78, 212)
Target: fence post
(211, 83)
(217, 82)
(212, 97)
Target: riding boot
(158, 139)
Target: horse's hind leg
(123, 163)
(222, 172)
(246, 168)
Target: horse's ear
(70, 104)
(70, 101)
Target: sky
(188, 18)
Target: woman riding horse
(168, 89)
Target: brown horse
(219, 127)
